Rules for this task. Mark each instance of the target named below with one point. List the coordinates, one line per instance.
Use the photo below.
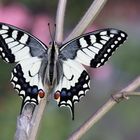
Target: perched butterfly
(57, 66)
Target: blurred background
(123, 121)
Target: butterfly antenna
(50, 32)
(55, 28)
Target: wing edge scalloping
(28, 93)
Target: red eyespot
(56, 95)
(41, 93)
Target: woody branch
(125, 93)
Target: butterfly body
(51, 70)
(60, 67)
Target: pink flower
(15, 14)
(102, 73)
(91, 29)
(20, 16)
(40, 28)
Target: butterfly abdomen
(52, 60)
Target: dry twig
(60, 21)
(121, 95)
(87, 19)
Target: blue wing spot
(63, 93)
(34, 90)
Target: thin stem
(87, 19)
(127, 91)
(134, 85)
(92, 120)
(36, 119)
(23, 122)
(29, 120)
(60, 21)
(133, 93)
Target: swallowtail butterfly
(57, 66)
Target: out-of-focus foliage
(120, 123)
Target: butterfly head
(52, 43)
(53, 47)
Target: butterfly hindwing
(93, 49)
(16, 44)
(73, 85)
(27, 81)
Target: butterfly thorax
(52, 61)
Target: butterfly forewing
(17, 45)
(93, 49)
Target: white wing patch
(83, 58)
(15, 34)
(8, 40)
(83, 42)
(24, 39)
(93, 39)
